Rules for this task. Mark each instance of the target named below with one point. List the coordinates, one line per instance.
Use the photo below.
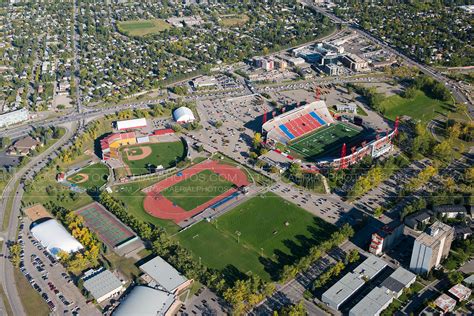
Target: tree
(257, 139)
(455, 277)
(378, 212)
(295, 169)
(352, 256)
(15, 251)
(444, 151)
(294, 310)
(5, 142)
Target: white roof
(373, 303)
(343, 289)
(145, 301)
(101, 283)
(54, 237)
(183, 114)
(135, 123)
(163, 273)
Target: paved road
(452, 85)
(6, 268)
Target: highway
(452, 85)
(32, 167)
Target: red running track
(158, 206)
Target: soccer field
(165, 154)
(259, 236)
(326, 142)
(197, 189)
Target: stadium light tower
(343, 156)
(318, 93)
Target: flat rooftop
(370, 267)
(344, 288)
(373, 303)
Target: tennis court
(327, 141)
(109, 229)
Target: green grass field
(143, 27)
(421, 107)
(197, 190)
(165, 154)
(327, 141)
(233, 20)
(273, 232)
(132, 196)
(98, 174)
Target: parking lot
(49, 278)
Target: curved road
(35, 165)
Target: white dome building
(146, 301)
(183, 115)
(54, 237)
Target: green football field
(143, 27)
(327, 141)
(259, 236)
(197, 189)
(97, 176)
(165, 154)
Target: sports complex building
(311, 134)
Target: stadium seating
(302, 125)
(298, 122)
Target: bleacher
(298, 122)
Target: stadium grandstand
(297, 122)
(110, 145)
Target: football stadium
(311, 134)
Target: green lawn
(132, 196)
(143, 27)
(421, 107)
(32, 302)
(326, 141)
(165, 154)
(98, 174)
(197, 189)
(273, 232)
(233, 20)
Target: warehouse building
(13, 117)
(165, 275)
(373, 303)
(102, 284)
(54, 237)
(147, 301)
(399, 280)
(131, 124)
(349, 284)
(382, 296)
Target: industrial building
(399, 280)
(354, 62)
(347, 107)
(14, 117)
(382, 296)
(183, 115)
(165, 275)
(349, 284)
(54, 237)
(373, 303)
(147, 301)
(385, 238)
(131, 124)
(102, 284)
(431, 247)
(204, 82)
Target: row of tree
(89, 257)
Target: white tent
(54, 237)
(183, 115)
